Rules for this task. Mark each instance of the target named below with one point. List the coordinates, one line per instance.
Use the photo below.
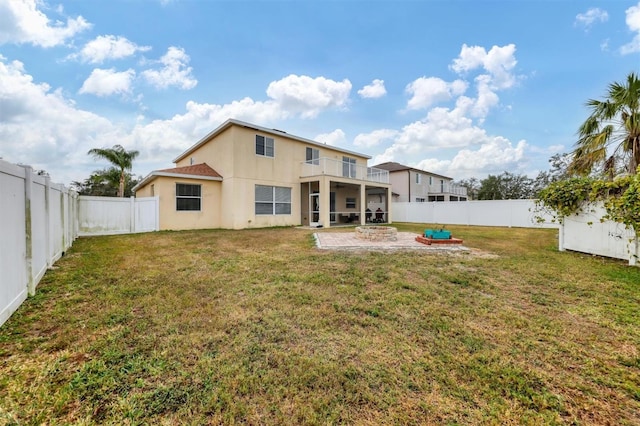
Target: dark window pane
(264, 193)
(264, 208)
(283, 194)
(190, 204)
(184, 190)
(259, 145)
(282, 208)
(269, 147)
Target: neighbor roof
(202, 169)
(275, 132)
(196, 171)
(392, 166)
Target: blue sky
(460, 88)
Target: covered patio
(337, 193)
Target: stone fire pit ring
(377, 233)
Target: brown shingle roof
(196, 170)
(392, 166)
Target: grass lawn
(259, 327)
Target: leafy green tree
(611, 132)
(506, 186)
(472, 185)
(120, 158)
(559, 171)
(105, 183)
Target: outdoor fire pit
(377, 233)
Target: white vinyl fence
(585, 233)
(110, 215)
(37, 224)
(512, 213)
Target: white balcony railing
(448, 188)
(331, 167)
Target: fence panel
(39, 228)
(585, 233)
(516, 213)
(147, 214)
(36, 224)
(111, 215)
(13, 270)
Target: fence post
(132, 214)
(47, 224)
(28, 183)
(634, 251)
(561, 236)
(157, 201)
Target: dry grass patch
(260, 327)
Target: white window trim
(273, 203)
(313, 160)
(266, 143)
(188, 197)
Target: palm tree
(614, 123)
(120, 158)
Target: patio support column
(387, 193)
(363, 204)
(325, 204)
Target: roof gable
(196, 171)
(392, 166)
(260, 129)
(202, 169)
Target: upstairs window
(418, 178)
(313, 156)
(349, 167)
(188, 197)
(264, 146)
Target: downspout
(409, 175)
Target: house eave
(153, 175)
(274, 132)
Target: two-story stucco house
(418, 186)
(242, 176)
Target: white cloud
(107, 47)
(590, 17)
(308, 96)
(374, 90)
(434, 165)
(23, 22)
(633, 22)
(175, 71)
(499, 62)
(375, 138)
(42, 128)
(498, 65)
(496, 155)
(335, 138)
(426, 91)
(105, 82)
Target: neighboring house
(418, 186)
(244, 176)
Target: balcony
(343, 169)
(448, 188)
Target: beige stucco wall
(232, 154)
(404, 184)
(170, 219)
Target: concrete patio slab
(405, 241)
